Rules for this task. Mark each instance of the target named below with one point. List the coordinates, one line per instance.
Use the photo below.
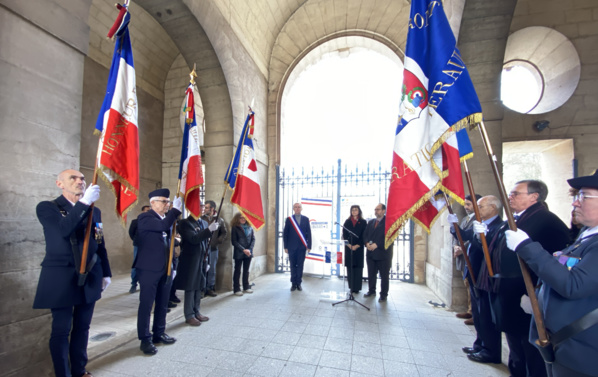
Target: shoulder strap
(575, 327)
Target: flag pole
(83, 264)
(461, 243)
(529, 286)
(172, 237)
(476, 209)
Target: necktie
(376, 224)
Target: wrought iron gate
(363, 186)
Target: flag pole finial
(193, 75)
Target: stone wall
(40, 126)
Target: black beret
(587, 181)
(160, 192)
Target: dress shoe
(299, 287)
(211, 293)
(368, 294)
(164, 338)
(148, 348)
(238, 293)
(293, 288)
(87, 374)
(167, 310)
(469, 322)
(248, 291)
(193, 321)
(463, 315)
(480, 358)
(175, 299)
(133, 288)
(382, 299)
(171, 305)
(202, 318)
(469, 350)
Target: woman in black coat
(243, 240)
(354, 248)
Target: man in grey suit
(378, 258)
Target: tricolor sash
(296, 227)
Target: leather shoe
(382, 299)
(175, 299)
(368, 294)
(202, 318)
(171, 305)
(148, 348)
(211, 293)
(463, 315)
(293, 288)
(193, 322)
(164, 338)
(469, 350)
(133, 289)
(480, 358)
(469, 322)
(299, 287)
(87, 374)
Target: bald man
(70, 296)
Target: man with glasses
(378, 258)
(153, 242)
(527, 201)
(569, 286)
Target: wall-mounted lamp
(541, 125)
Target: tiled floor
(275, 332)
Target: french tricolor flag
(190, 171)
(242, 177)
(118, 152)
(438, 100)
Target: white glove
(207, 268)
(452, 218)
(91, 195)
(177, 203)
(479, 227)
(515, 238)
(173, 273)
(106, 282)
(213, 226)
(526, 304)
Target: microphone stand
(351, 298)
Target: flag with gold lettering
(438, 99)
(118, 153)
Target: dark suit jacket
(193, 248)
(240, 242)
(152, 247)
(376, 235)
(57, 285)
(358, 229)
(133, 231)
(291, 240)
(475, 252)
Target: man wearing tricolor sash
(296, 238)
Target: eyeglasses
(516, 193)
(581, 196)
(162, 201)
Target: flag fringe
(243, 211)
(122, 181)
(187, 193)
(398, 224)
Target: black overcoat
(358, 229)
(194, 241)
(240, 242)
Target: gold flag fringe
(122, 181)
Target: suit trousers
(192, 303)
(134, 278)
(475, 313)
(375, 266)
(73, 321)
(296, 261)
(524, 359)
(154, 289)
(241, 263)
(487, 332)
(213, 260)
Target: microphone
(335, 223)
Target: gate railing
(365, 186)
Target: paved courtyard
(275, 332)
